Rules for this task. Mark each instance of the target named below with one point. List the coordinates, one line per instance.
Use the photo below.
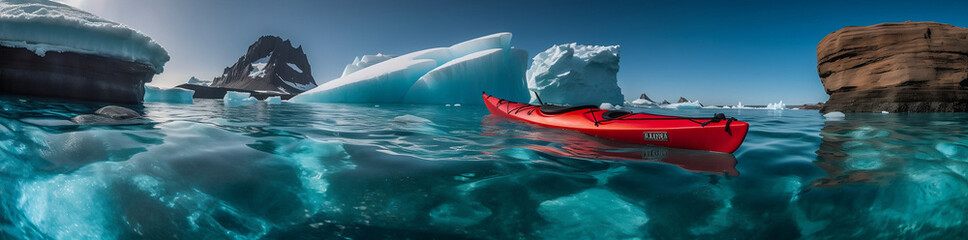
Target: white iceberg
(574, 74)
(236, 99)
(170, 95)
(776, 106)
(42, 26)
(365, 61)
(455, 74)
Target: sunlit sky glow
(719, 52)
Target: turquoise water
(335, 171)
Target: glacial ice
(455, 74)
(776, 106)
(236, 99)
(574, 74)
(169, 95)
(459, 81)
(42, 26)
(274, 100)
(365, 61)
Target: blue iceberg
(446, 75)
(170, 95)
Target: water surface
(425, 171)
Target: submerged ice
(455, 74)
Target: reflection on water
(418, 171)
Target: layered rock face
(270, 64)
(895, 67)
(49, 49)
(72, 76)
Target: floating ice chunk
(366, 61)
(684, 105)
(459, 214)
(235, 99)
(576, 75)
(606, 106)
(170, 95)
(835, 116)
(776, 106)
(440, 70)
(274, 100)
(885, 112)
(592, 214)
(43, 26)
(457, 105)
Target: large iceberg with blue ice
(446, 75)
(50, 49)
(575, 74)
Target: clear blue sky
(719, 52)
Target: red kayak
(717, 134)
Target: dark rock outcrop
(72, 76)
(895, 67)
(205, 92)
(285, 69)
(682, 100)
(643, 96)
(665, 102)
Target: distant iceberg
(575, 74)
(776, 106)
(43, 26)
(238, 99)
(455, 74)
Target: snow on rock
(592, 214)
(170, 95)
(642, 102)
(235, 99)
(365, 61)
(199, 82)
(43, 26)
(294, 67)
(576, 74)
(683, 105)
(259, 67)
(455, 74)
